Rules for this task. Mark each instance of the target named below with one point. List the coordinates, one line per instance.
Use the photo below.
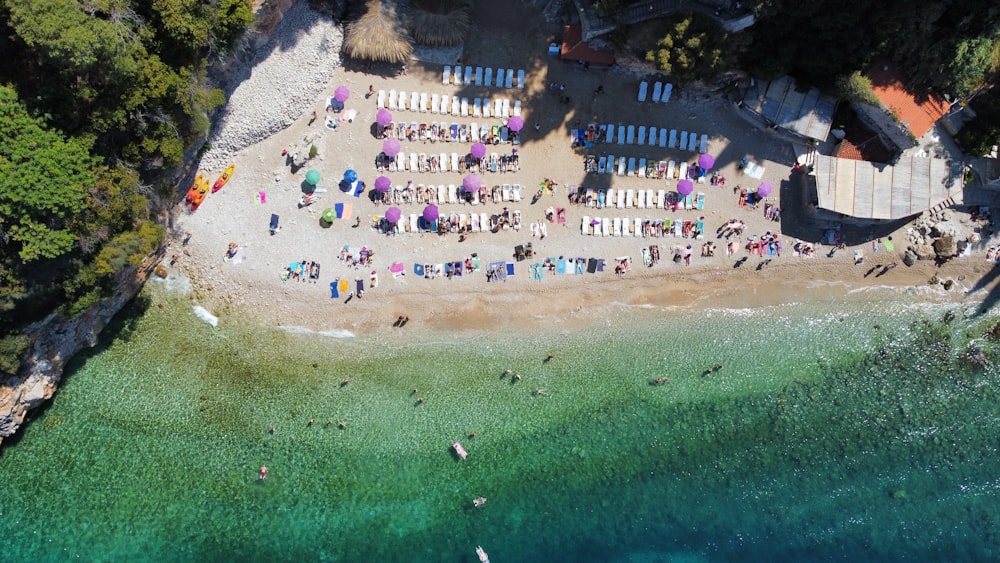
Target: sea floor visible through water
(847, 431)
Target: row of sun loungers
(452, 223)
(462, 133)
(441, 194)
(661, 92)
(504, 78)
(640, 199)
(637, 227)
(643, 168)
(443, 162)
(422, 102)
(649, 136)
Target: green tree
(44, 182)
(980, 135)
(693, 49)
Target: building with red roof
(918, 112)
(574, 48)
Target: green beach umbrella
(329, 215)
(312, 177)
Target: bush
(856, 88)
(691, 50)
(313, 151)
(12, 347)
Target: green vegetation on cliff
(97, 100)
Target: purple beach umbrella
(478, 150)
(764, 189)
(341, 94)
(393, 214)
(431, 213)
(390, 147)
(383, 184)
(515, 123)
(471, 183)
(383, 117)
(685, 187)
(706, 161)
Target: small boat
(460, 450)
(193, 190)
(200, 196)
(482, 554)
(223, 179)
(479, 501)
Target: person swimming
(479, 501)
(263, 472)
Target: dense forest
(97, 99)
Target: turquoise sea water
(852, 431)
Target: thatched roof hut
(379, 35)
(440, 22)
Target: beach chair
(630, 134)
(456, 105)
(413, 226)
(520, 79)
(643, 86)
(671, 170)
(661, 196)
(435, 103)
(452, 193)
(689, 201)
(474, 132)
(456, 76)
(445, 103)
(486, 107)
(682, 171)
(641, 135)
(509, 80)
(413, 165)
(515, 192)
(663, 138)
(637, 227)
(673, 139)
(631, 166)
(497, 107)
(423, 102)
(641, 171)
(684, 140)
(505, 109)
(611, 164)
(479, 76)
(692, 142)
(392, 99)
(506, 192)
(443, 162)
(517, 108)
(453, 132)
(454, 162)
(401, 102)
(488, 78)
(465, 107)
(621, 134)
(667, 89)
(652, 136)
(446, 76)
(274, 225)
(703, 148)
(610, 129)
(620, 199)
(602, 164)
(699, 201)
(700, 225)
(657, 91)
(484, 222)
(649, 199)
(477, 107)
(616, 227)
(500, 78)
(605, 227)
(442, 194)
(585, 225)
(380, 100)
(474, 223)
(640, 201)
(467, 77)
(678, 229)
(621, 165)
(414, 101)
(629, 198)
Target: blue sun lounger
(510, 269)
(418, 269)
(274, 223)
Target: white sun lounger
(652, 136)
(520, 79)
(435, 103)
(392, 99)
(621, 166)
(617, 227)
(484, 222)
(423, 102)
(506, 108)
(704, 144)
(673, 139)
(517, 108)
(629, 199)
(602, 164)
(452, 193)
(488, 79)
(499, 83)
(456, 105)
(630, 134)
(661, 198)
(467, 78)
(649, 198)
(657, 90)
(442, 193)
(611, 133)
(380, 101)
(640, 200)
(643, 86)
(620, 199)
(585, 225)
(443, 160)
(505, 192)
(605, 227)
(479, 76)
(414, 165)
(692, 141)
(683, 172)
(663, 138)
(671, 170)
(413, 223)
(414, 101)
(665, 97)
(641, 135)
(631, 166)
(611, 164)
(637, 227)
(401, 102)
(678, 229)
(400, 162)
(446, 75)
(486, 107)
(445, 103)
(515, 192)
(474, 220)
(454, 162)
(477, 108)
(497, 107)
(509, 82)
(641, 171)
(456, 76)
(465, 107)
(474, 132)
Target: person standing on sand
(371, 91)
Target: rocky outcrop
(55, 341)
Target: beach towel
(397, 267)
(418, 270)
(360, 189)
(457, 265)
(581, 264)
(592, 265)
(359, 287)
(274, 223)
(333, 289)
(561, 266)
(343, 285)
(600, 264)
(510, 268)
(537, 271)
(262, 197)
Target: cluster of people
(364, 258)
(767, 244)
(772, 212)
(708, 249)
(804, 249)
(718, 179)
(301, 271)
(683, 255)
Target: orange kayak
(200, 196)
(223, 179)
(193, 190)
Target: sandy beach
(251, 284)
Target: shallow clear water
(823, 437)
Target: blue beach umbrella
(350, 176)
